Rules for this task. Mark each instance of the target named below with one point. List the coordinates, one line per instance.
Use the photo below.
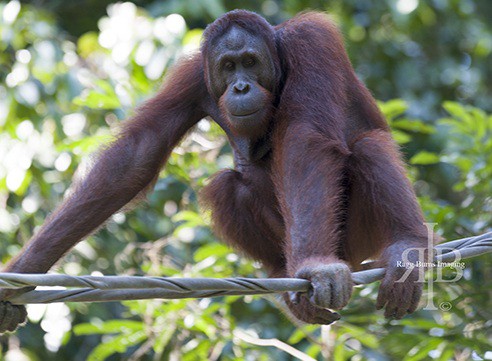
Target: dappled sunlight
(10, 11)
(406, 6)
(154, 42)
(56, 322)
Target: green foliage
(469, 151)
(62, 97)
(103, 98)
(128, 333)
(424, 157)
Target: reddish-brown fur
(331, 190)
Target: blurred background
(71, 71)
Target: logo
(431, 258)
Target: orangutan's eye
(249, 62)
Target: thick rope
(119, 288)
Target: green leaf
(400, 137)
(190, 218)
(97, 100)
(419, 323)
(297, 336)
(113, 326)
(26, 181)
(393, 108)
(193, 38)
(413, 125)
(212, 249)
(446, 355)
(342, 353)
(88, 44)
(360, 334)
(456, 110)
(102, 97)
(118, 344)
(425, 157)
(421, 351)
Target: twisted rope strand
(120, 288)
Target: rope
(119, 288)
